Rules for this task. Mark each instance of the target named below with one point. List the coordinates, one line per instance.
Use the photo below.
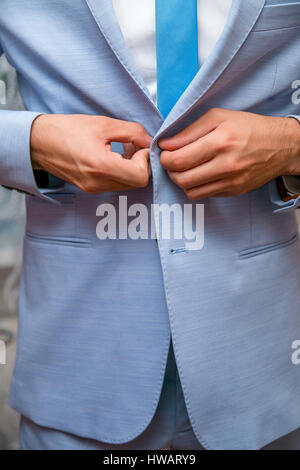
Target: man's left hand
(228, 153)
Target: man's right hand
(77, 149)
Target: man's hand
(76, 148)
(228, 153)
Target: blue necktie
(176, 50)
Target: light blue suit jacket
(96, 316)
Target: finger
(107, 185)
(213, 170)
(129, 150)
(102, 184)
(123, 131)
(201, 127)
(134, 172)
(142, 158)
(213, 189)
(191, 155)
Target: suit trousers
(170, 427)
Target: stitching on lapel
(125, 64)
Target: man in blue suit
(100, 315)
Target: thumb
(141, 159)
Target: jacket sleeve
(291, 204)
(15, 161)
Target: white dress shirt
(137, 22)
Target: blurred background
(12, 223)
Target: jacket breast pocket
(276, 16)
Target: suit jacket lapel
(242, 18)
(104, 15)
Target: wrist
(292, 156)
(38, 141)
